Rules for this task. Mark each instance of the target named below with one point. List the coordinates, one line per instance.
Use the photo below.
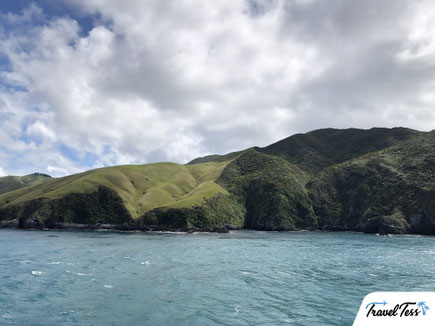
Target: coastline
(15, 224)
(105, 227)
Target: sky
(92, 83)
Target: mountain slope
(11, 183)
(321, 148)
(135, 189)
(389, 191)
(217, 158)
(378, 180)
(270, 190)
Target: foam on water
(241, 278)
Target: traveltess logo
(397, 308)
(402, 310)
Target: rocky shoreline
(35, 225)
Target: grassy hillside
(377, 180)
(11, 183)
(321, 148)
(140, 188)
(218, 158)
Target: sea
(238, 278)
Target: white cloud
(38, 129)
(420, 34)
(171, 80)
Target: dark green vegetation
(378, 180)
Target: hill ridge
(373, 180)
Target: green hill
(217, 158)
(388, 191)
(11, 183)
(136, 189)
(321, 148)
(378, 180)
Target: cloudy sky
(91, 83)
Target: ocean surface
(241, 278)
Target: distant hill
(11, 183)
(378, 180)
(217, 158)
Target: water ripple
(241, 278)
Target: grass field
(141, 187)
(11, 183)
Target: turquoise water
(241, 278)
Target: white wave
(170, 232)
(145, 263)
(108, 286)
(54, 263)
(82, 274)
(38, 273)
(24, 261)
(66, 313)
